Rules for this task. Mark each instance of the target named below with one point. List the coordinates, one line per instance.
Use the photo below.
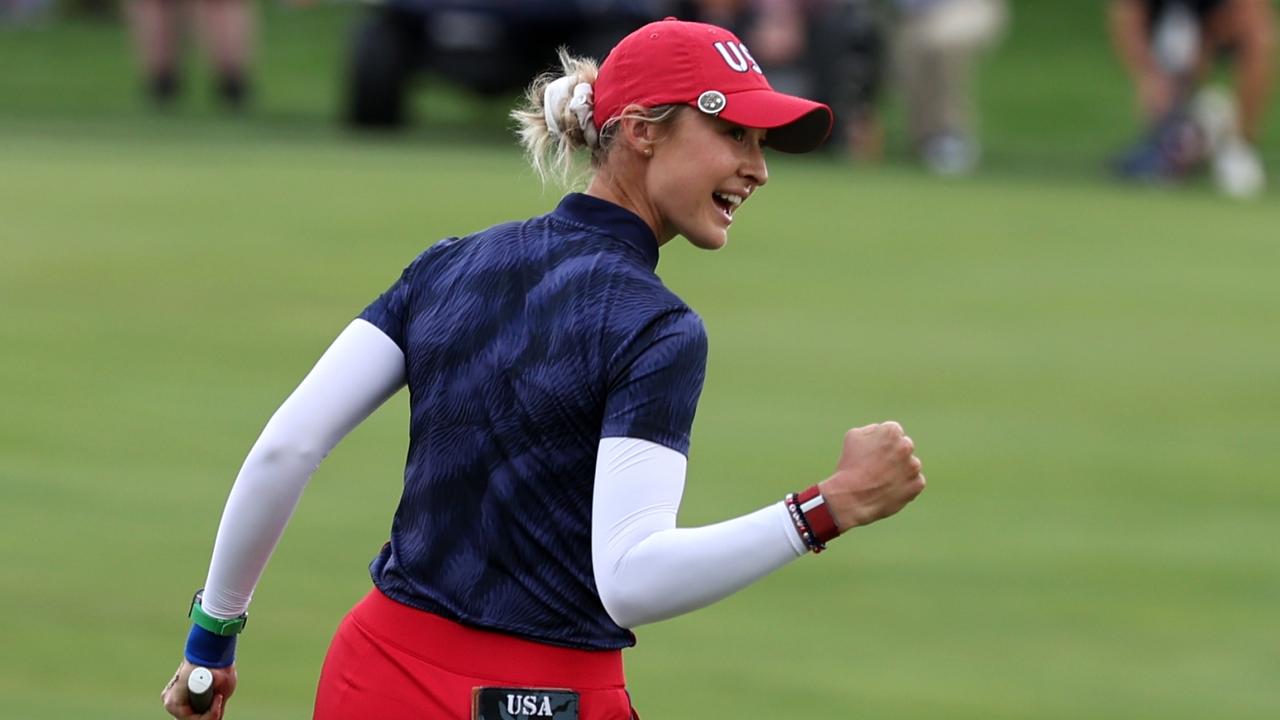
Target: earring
(648, 152)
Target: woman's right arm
(360, 370)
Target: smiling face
(701, 170)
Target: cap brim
(795, 125)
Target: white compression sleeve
(646, 568)
(360, 370)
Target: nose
(754, 168)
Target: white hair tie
(578, 98)
(583, 107)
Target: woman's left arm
(647, 569)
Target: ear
(638, 136)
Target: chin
(708, 241)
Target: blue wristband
(210, 649)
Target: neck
(607, 185)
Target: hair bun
(556, 118)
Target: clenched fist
(877, 475)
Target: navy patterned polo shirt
(524, 345)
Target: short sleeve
(389, 312)
(656, 381)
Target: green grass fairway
(1089, 372)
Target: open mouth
(727, 203)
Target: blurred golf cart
(490, 47)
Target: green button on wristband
(217, 626)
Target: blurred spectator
(225, 28)
(935, 44)
(830, 50)
(1168, 47)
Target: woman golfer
(552, 386)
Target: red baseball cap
(688, 63)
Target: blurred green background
(1089, 371)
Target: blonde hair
(551, 151)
